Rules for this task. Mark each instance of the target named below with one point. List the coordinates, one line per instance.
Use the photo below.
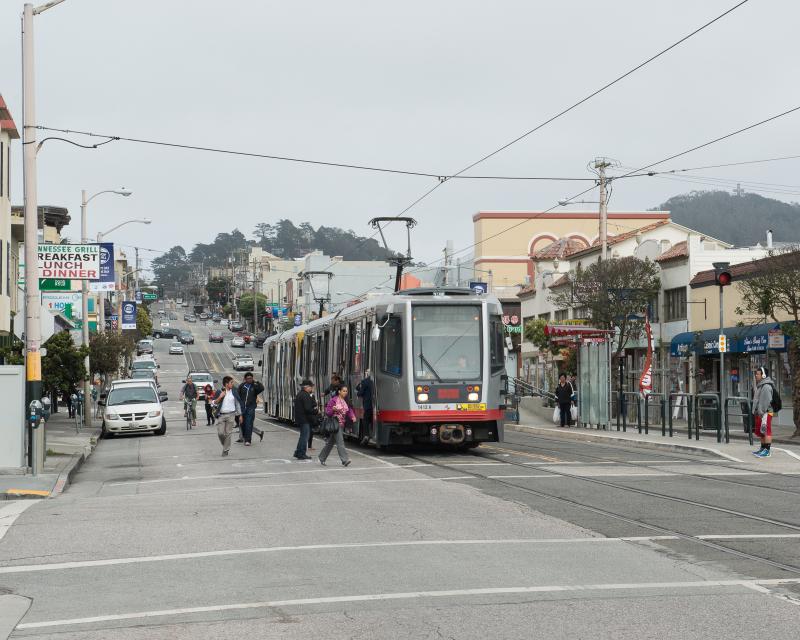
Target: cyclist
(189, 395)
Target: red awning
(573, 333)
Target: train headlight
(422, 397)
(473, 397)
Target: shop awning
(749, 339)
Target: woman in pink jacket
(338, 408)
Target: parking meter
(35, 413)
(46, 408)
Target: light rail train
(435, 356)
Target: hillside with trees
(741, 220)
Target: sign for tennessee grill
(70, 261)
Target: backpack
(776, 403)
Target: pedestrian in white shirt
(230, 412)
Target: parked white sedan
(176, 349)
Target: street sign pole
(723, 418)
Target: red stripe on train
(439, 416)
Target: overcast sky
(420, 85)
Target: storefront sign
(512, 322)
(776, 340)
(754, 343)
(479, 288)
(69, 261)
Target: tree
(108, 352)
(171, 269)
(615, 292)
(217, 290)
(772, 292)
(246, 305)
(224, 246)
(62, 367)
(144, 326)
(534, 333)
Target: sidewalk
(537, 420)
(66, 452)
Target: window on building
(652, 309)
(580, 313)
(544, 316)
(2, 168)
(675, 304)
(561, 315)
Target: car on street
(203, 316)
(237, 341)
(191, 319)
(167, 333)
(144, 346)
(185, 316)
(235, 325)
(216, 317)
(243, 363)
(201, 379)
(164, 324)
(133, 408)
(186, 337)
(162, 395)
(176, 349)
(259, 340)
(215, 336)
(248, 337)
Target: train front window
(447, 342)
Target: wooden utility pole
(601, 164)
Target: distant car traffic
(235, 325)
(237, 341)
(144, 346)
(259, 340)
(243, 363)
(176, 349)
(215, 336)
(164, 324)
(167, 333)
(191, 319)
(186, 337)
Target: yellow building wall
(707, 316)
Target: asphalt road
(161, 537)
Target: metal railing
(706, 406)
(623, 410)
(745, 412)
(681, 401)
(648, 399)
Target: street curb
(581, 434)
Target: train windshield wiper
(424, 360)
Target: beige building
(8, 273)
(505, 240)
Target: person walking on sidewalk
(306, 414)
(564, 393)
(208, 394)
(762, 411)
(338, 407)
(330, 390)
(248, 397)
(230, 411)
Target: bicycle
(189, 411)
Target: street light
(33, 302)
(100, 236)
(87, 414)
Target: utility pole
(136, 280)
(87, 414)
(255, 297)
(33, 327)
(601, 165)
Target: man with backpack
(766, 402)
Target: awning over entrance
(751, 339)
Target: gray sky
(420, 85)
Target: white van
(133, 407)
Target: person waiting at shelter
(563, 394)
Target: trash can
(708, 413)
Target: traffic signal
(722, 274)
(723, 343)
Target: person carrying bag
(338, 411)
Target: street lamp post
(100, 237)
(33, 303)
(87, 414)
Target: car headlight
(473, 397)
(112, 416)
(153, 414)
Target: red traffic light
(722, 274)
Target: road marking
(747, 536)
(788, 453)
(523, 453)
(411, 595)
(633, 474)
(10, 512)
(723, 455)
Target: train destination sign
(69, 261)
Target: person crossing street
(230, 411)
(248, 396)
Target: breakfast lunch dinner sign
(69, 261)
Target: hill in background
(741, 220)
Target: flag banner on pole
(646, 380)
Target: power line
(574, 105)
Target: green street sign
(54, 284)
(149, 296)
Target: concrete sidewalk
(67, 450)
(533, 420)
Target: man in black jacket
(366, 391)
(248, 393)
(563, 395)
(305, 414)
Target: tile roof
(621, 237)
(527, 291)
(680, 250)
(561, 281)
(558, 249)
(6, 121)
(743, 269)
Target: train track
(623, 518)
